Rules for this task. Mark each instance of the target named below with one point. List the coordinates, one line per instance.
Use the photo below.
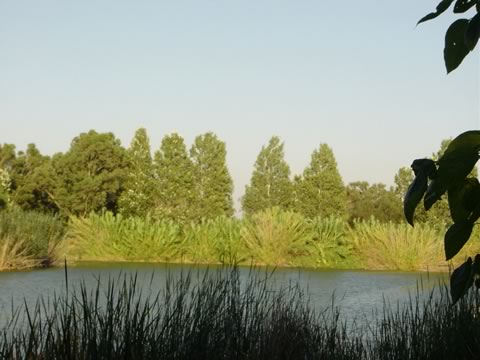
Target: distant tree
(91, 174)
(7, 156)
(366, 201)
(175, 195)
(270, 184)
(320, 190)
(4, 189)
(7, 160)
(137, 198)
(213, 183)
(25, 182)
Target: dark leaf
(457, 235)
(425, 166)
(476, 265)
(455, 47)
(461, 198)
(462, 6)
(473, 32)
(461, 280)
(434, 193)
(414, 195)
(458, 160)
(441, 7)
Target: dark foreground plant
(224, 316)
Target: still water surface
(357, 293)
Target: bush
(30, 239)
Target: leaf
(458, 160)
(463, 198)
(441, 7)
(414, 195)
(434, 193)
(425, 166)
(455, 47)
(473, 32)
(456, 236)
(462, 6)
(461, 280)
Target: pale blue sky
(356, 75)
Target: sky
(359, 76)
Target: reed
(276, 237)
(389, 246)
(222, 315)
(29, 239)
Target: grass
(271, 237)
(220, 316)
(389, 246)
(29, 239)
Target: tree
(91, 174)
(4, 189)
(320, 190)
(270, 183)
(25, 182)
(137, 197)
(213, 184)
(366, 201)
(450, 173)
(175, 195)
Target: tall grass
(275, 237)
(329, 245)
(30, 239)
(271, 237)
(109, 237)
(396, 246)
(222, 316)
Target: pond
(357, 293)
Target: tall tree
(91, 174)
(4, 189)
(137, 196)
(175, 195)
(270, 184)
(213, 183)
(25, 182)
(320, 190)
(7, 160)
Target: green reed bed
(224, 317)
(29, 239)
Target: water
(357, 293)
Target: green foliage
(366, 201)
(213, 241)
(175, 196)
(275, 236)
(462, 35)
(28, 175)
(329, 245)
(320, 190)
(137, 198)
(29, 239)
(389, 246)
(270, 185)
(90, 174)
(213, 183)
(109, 237)
(5, 185)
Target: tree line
(97, 174)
